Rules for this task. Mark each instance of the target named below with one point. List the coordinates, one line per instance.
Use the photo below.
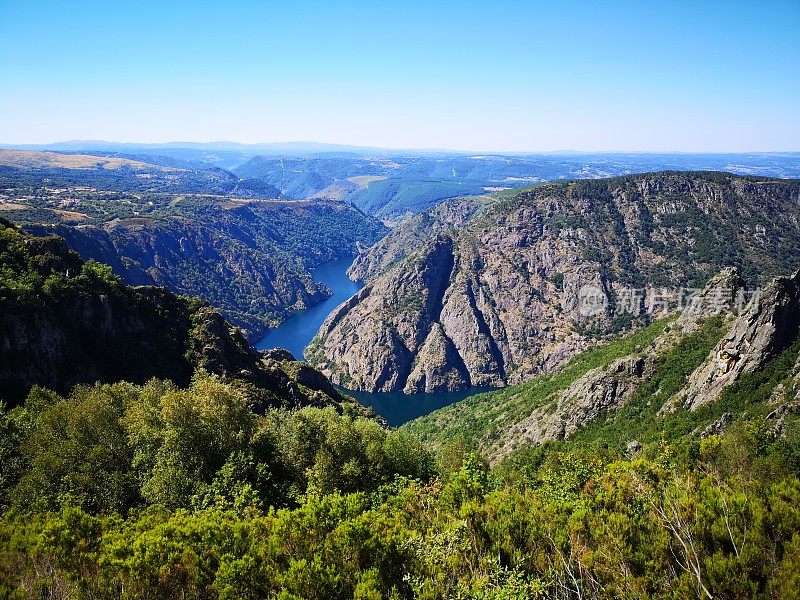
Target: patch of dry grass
(12, 206)
(364, 180)
(70, 215)
(27, 159)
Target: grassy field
(365, 180)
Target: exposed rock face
(768, 326)
(384, 361)
(633, 447)
(602, 390)
(777, 418)
(718, 426)
(85, 340)
(250, 259)
(597, 392)
(722, 294)
(444, 365)
(74, 326)
(197, 260)
(522, 285)
(278, 355)
(558, 406)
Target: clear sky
(596, 75)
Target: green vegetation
(477, 420)
(202, 490)
(638, 419)
(200, 470)
(67, 321)
(116, 447)
(557, 279)
(132, 177)
(157, 492)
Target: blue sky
(515, 76)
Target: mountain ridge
(514, 306)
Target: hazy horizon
(85, 145)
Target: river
(295, 333)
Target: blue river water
(398, 408)
(295, 333)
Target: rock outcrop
(723, 294)
(528, 282)
(597, 392)
(769, 324)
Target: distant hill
(398, 196)
(22, 159)
(411, 183)
(380, 187)
(299, 178)
(301, 170)
(31, 169)
(226, 155)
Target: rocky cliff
(249, 258)
(608, 388)
(65, 322)
(768, 326)
(693, 373)
(520, 287)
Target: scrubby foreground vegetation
(159, 492)
(644, 468)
